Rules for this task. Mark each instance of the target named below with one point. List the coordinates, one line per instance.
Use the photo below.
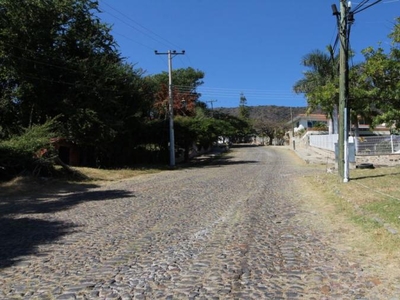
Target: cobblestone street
(229, 230)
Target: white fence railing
(366, 145)
(324, 141)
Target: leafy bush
(320, 126)
(31, 152)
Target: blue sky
(253, 47)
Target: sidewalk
(313, 155)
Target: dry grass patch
(86, 178)
(114, 174)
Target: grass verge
(368, 205)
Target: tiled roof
(316, 117)
(311, 117)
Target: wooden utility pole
(343, 164)
(342, 86)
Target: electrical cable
(360, 9)
(132, 40)
(159, 38)
(137, 42)
(258, 96)
(334, 47)
(335, 33)
(131, 26)
(222, 90)
(101, 88)
(141, 26)
(43, 63)
(360, 5)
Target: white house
(309, 122)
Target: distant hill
(279, 114)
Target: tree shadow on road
(244, 146)
(216, 161)
(21, 237)
(50, 203)
(21, 233)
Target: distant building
(364, 129)
(310, 122)
(315, 122)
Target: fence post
(391, 142)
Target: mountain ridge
(274, 113)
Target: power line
(362, 6)
(32, 76)
(144, 30)
(259, 97)
(116, 33)
(236, 90)
(227, 92)
(212, 92)
(132, 40)
(359, 5)
(74, 84)
(133, 27)
(37, 60)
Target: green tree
(380, 78)
(47, 49)
(243, 108)
(184, 92)
(58, 59)
(271, 129)
(238, 130)
(202, 130)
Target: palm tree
(320, 82)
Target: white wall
(324, 141)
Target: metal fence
(366, 145)
(377, 145)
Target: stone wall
(379, 160)
(376, 160)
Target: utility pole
(212, 107)
(291, 117)
(343, 18)
(171, 55)
(343, 91)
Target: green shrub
(31, 152)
